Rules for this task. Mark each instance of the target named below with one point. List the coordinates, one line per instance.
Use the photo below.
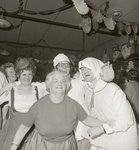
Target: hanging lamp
(5, 52)
(5, 24)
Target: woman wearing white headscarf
(106, 101)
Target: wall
(98, 51)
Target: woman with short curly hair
(8, 69)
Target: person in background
(129, 83)
(128, 57)
(106, 101)
(20, 99)
(3, 82)
(55, 116)
(8, 69)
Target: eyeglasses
(64, 65)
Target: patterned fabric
(84, 144)
(8, 131)
(36, 142)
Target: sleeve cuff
(107, 128)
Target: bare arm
(21, 132)
(92, 122)
(4, 114)
(96, 125)
(7, 88)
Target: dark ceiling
(44, 28)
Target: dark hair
(127, 44)
(4, 66)
(133, 75)
(122, 80)
(31, 66)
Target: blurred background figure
(8, 69)
(3, 82)
(129, 82)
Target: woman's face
(58, 84)
(26, 77)
(87, 74)
(125, 51)
(64, 66)
(11, 74)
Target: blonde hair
(51, 75)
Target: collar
(100, 85)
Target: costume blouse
(18, 106)
(110, 103)
(55, 121)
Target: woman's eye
(55, 81)
(64, 81)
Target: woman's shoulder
(113, 85)
(133, 85)
(71, 101)
(112, 88)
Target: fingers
(111, 123)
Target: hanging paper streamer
(97, 16)
(120, 26)
(110, 23)
(86, 24)
(128, 29)
(81, 6)
(135, 29)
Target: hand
(7, 88)
(95, 132)
(107, 72)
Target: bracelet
(15, 144)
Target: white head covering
(60, 57)
(94, 64)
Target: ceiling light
(4, 53)
(5, 24)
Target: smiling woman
(20, 99)
(55, 116)
(8, 69)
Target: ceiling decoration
(110, 20)
(36, 24)
(84, 7)
(5, 24)
(81, 6)
(4, 52)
